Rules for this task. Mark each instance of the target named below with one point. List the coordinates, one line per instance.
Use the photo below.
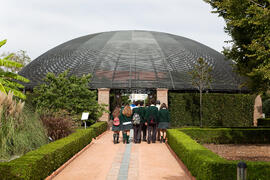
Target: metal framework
(133, 59)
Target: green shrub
(206, 165)
(264, 122)
(226, 110)
(40, 163)
(229, 135)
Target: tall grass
(20, 128)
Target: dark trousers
(137, 132)
(152, 129)
(144, 129)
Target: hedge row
(229, 135)
(206, 165)
(265, 122)
(225, 110)
(40, 163)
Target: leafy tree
(19, 57)
(201, 79)
(69, 93)
(248, 23)
(7, 79)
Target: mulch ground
(254, 152)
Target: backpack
(136, 119)
(152, 120)
(116, 121)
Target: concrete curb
(180, 162)
(55, 173)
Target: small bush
(57, 125)
(40, 163)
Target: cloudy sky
(37, 26)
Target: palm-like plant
(8, 80)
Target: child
(116, 127)
(126, 124)
(137, 122)
(164, 121)
(151, 115)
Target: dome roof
(133, 59)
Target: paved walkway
(104, 160)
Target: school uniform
(163, 119)
(115, 128)
(151, 112)
(126, 122)
(144, 127)
(137, 127)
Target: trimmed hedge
(206, 165)
(40, 163)
(229, 135)
(225, 110)
(264, 122)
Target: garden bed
(245, 152)
(206, 165)
(40, 163)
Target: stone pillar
(257, 110)
(104, 98)
(162, 95)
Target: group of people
(149, 121)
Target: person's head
(153, 102)
(141, 103)
(133, 102)
(137, 103)
(163, 105)
(116, 112)
(127, 111)
(157, 102)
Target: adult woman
(126, 124)
(116, 127)
(164, 121)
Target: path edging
(180, 162)
(56, 172)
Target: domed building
(134, 60)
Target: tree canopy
(69, 93)
(248, 23)
(9, 80)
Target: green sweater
(151, 111)
(140, 111)
(163, 115)
(143, 109)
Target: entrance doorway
(119, 97)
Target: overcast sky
(37, 26)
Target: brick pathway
(104, 160)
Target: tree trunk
(201, 124)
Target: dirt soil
(254, 152)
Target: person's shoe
(153, 141)
(144, 140)
(148, 142)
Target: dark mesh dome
(133, 59)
